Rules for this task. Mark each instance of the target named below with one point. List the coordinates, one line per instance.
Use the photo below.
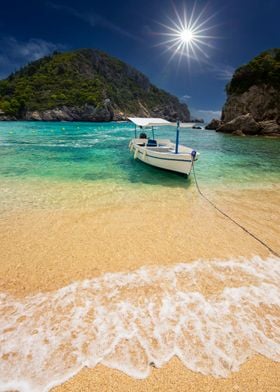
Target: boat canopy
(155, 122)
(148, 122)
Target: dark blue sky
(131, 30)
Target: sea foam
(212, 315)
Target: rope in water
(230, 218)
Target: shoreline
(146, 230)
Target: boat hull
(180, 163)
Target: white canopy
(154, 122)
(148, 122)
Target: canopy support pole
(135, 131)
(177, 137)
(153, 133)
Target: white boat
(161, 153)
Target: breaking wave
(212, 315)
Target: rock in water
(84, 85)
(270, 128)
(238, 133)
(244, 123)
(214, 124)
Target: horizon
(142, 35)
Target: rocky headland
(253, 98)
(84, 85)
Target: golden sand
(45, 249)
(257, 375)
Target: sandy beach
(140, 196)
(48, 249)
(258, 374)
(43, 250)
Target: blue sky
(134, 31)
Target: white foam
(130, 321)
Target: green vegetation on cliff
(77, 78)
(263, 69)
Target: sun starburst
(188, 34)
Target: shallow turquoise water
(99, 151)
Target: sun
(188, 33)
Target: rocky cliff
(253, 97)
(84, 85)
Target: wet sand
(45, 249)
(257, 375)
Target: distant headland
(84, 85)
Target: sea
(88, 152)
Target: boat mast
(177, 137)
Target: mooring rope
(229, 217)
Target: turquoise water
(99, 151)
